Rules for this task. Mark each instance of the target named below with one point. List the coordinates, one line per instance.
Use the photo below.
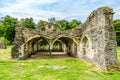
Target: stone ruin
(95, 40)
(3, 45)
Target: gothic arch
(34, 45)
(58, 46)
(70, 46)
(85, 46)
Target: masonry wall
(99, 31)
(2, 45)
(18, 48)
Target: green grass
(118, 52)
(45, 69)
(5, 53)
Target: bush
(10, 34)
(4, 40)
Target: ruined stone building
(94, 40)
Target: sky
(60, 9)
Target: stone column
(18, 42)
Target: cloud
(25, 8)
(60, 9)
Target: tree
(1, 30)
(64, 24)
(6, 22)
(10, 34)
(116, 24)
(41, 23)
(7, 27)
(74, 23)
(28, 22)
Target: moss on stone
(18, 25)
(43, 29)
(106, 8)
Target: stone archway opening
(43, 46)
(65, 46)
(58, 49)
(58, 46)
(37, 45)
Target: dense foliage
(7, 27)
(28, 22)
(116, 24)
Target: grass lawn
(51, 69)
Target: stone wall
(93, 41)
(3, 46)
(100, 37)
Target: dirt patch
(47, 55)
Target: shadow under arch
(34, 45)
(68, 45)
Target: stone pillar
(50, 48)
(3, 46)
(35, 47)
(18, 42)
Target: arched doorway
(58, 46)
(67, 45)
(35, 45)
(43, 46)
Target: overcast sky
(60, 9)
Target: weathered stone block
(3, 46)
